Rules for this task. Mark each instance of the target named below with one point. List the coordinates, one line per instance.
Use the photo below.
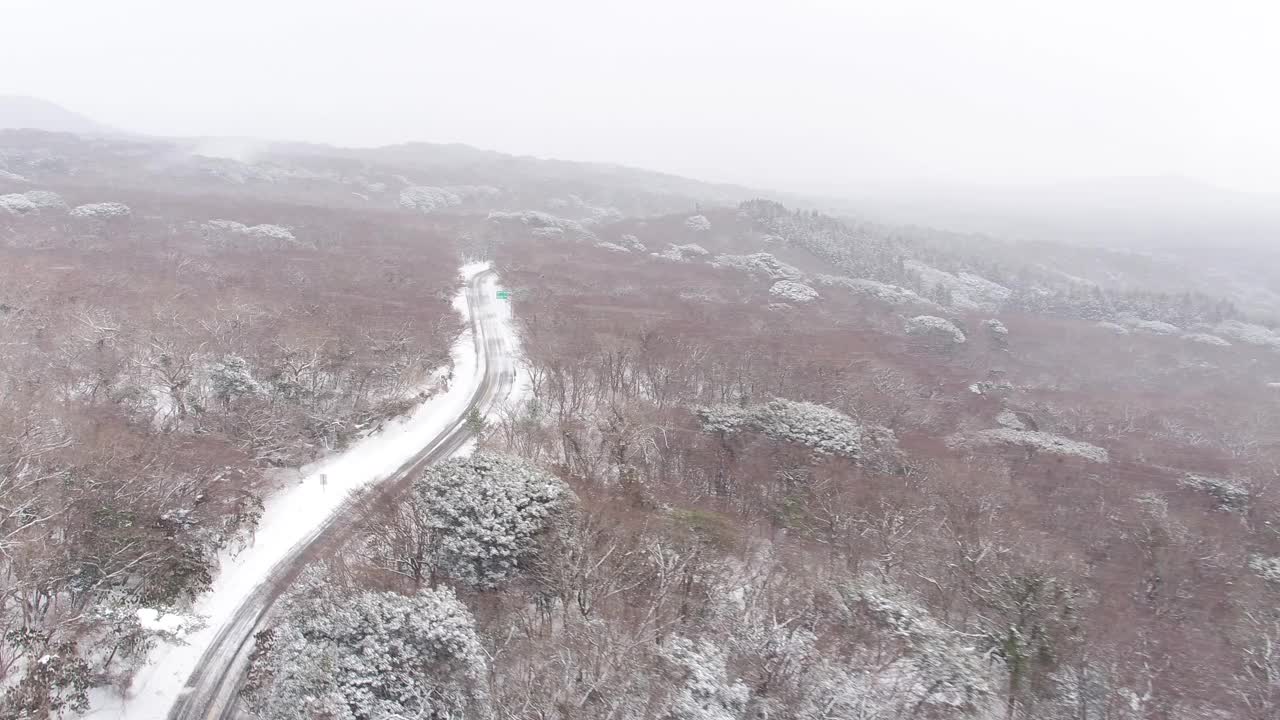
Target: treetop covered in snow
(761, 263)
(1229, 495)
(102, 210)
(792, 291)
(932, 326)
(698, 223)
(429, 199)
(682, 253)
(485, 514)
(368, 656)
(881, 291)
(827, 430)
(1031, 441)
(31, 201)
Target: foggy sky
(799, 94)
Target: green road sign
(504, 294)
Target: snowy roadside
(291, 515)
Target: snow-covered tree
(368, 656)
(1267, 568)
(937, 667)
(703, 688)
(52, 684)
(826, 430)
(1232, 496)
(882, 292)
(275, 233)
(1031, 441)
(632, 243)
(32, 201)
(761, 263)
(102, 211)
(231, 377)
(997, 332)
(932, 328)
(428, 199)
(697, 223)
(792, 291)
(682, 253)
(480, 517)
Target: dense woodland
(767, 464)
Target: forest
(761, 462)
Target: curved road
(212, 691)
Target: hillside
(758, 461)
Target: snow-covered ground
(294, 513)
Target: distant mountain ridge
(20, 112)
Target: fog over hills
(1127, 212)
(20, 112)
(548, 438)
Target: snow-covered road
(199, 679)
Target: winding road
(213, 689)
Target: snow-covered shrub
(996, 329)
(7, 176)
(1113, 327)
(932, 327)
(31, 201)
(485, 513)
(1228, 495)
(761, 263)
(703, 689)
(1249, 334)
(964, 290)
(227, 226)
(1009, 419)
(590, 214)
(1268, 568)
(698, 223)
(883, 292)
(230, 377)
(541, 224)
(632, 243)
(231, 232)
(428, 199)
(682, 253)
(46, 200)
(792, 291)
(826, 430)
(1032, 441)
(937, 667)
(991, 387)
(102, 211)
(368, 656)
(547, 233)
(724, 418)
(1156, 327)
(1206, 339)
(612, 247)
(276, 233)
(16, 204)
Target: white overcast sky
(791, 93)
